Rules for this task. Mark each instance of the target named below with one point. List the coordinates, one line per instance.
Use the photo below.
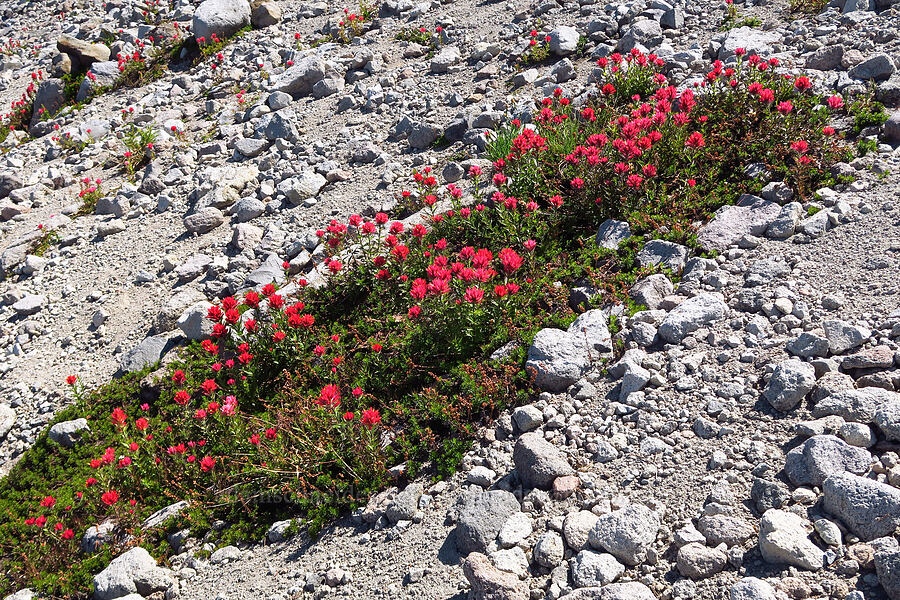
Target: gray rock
(224, 555)
(102, 75)
(164, 514)
(697, 561)
(144, 354)
(446, 58)
(515, 530)
(117, 579)
(549, 549)
(557, 359)
(807, 345)
(298, 79)
(422, 135)
(489, 583)
(480, 519)
(193, 322)
(96, 536)
(7, 419)
(825, 58)
(891, 130)
(630, 590)
(23, 594)
(626, 533)
(754, 41)
(277, 126)
(9, 182)
(29, 304)
(868, 508)
(878, 68)
(264, 13)
(768, 494)
(790, 383)
(877, 357)
(247, 209)
(887, 567)
(646, 33)
(577, 527)
(887, 417)
(528, 418)
(751, 588)
(591, 329)
(251, 147)
(667, 254)
(855, 405)
(67, 433)
(278, 531)
(538, 462)
(765, 271)
(304, 186)
(611, 233)
(822, 456)
(650, 291)
(691, 315)
(843, 336)
(724, 529)
(783, 539)
(405, 505)
(222, 18)
(786, 222)
(563, 40)
(204, 220)
(591, 569)
(279, 100)
(673, 18)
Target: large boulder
(750, 216)
(49, 100)
(538, 462)
(134, 572)
(82, 54)
(223, 18)
(626, 533)
(7, 419)
(754, 41)
(784, 539)
(821, 456)
(557, 358)
(691, 315)
(264, 13)
(792, 380)
(480, 519)
(299, 79)
(68, 433)
(868, 508)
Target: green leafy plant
(867, 112)
(91, 192)
(139, 148)
(538, 50)
(48, 239)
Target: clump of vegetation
(48, 239)
(538, 50)
(808, 6)
(867, 112)
(354, 24)
(311, 396)
(420, 36)
(139, 148)
(91, 192)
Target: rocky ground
(745, 444)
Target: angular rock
(855, 405)
(651, 290)
(790, 383)
(754, 41)
(538, 462)
(611, 233)
(868, 508)
(264, 13)
(591, 569)
(699, 562)
(222, 18)
(82, 54)
(204, 220)
(626, 533)
(577, 527)
(691, 315)
(68, 433)
(784, 539)
(563, 40)
(878, 357)
(821, 456)
(591, 329)
(887, 567)
(724, 529)
(660, 252)
(405, 505)
(557, 359)
(298, 79)
(7, 419)
(549, 549)
(843, 336)
(117, 579)
(480, 519)
(144, 354)
(878, 68)
(751, 588)
(807, 345)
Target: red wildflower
(109, 498)
(371, 417)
